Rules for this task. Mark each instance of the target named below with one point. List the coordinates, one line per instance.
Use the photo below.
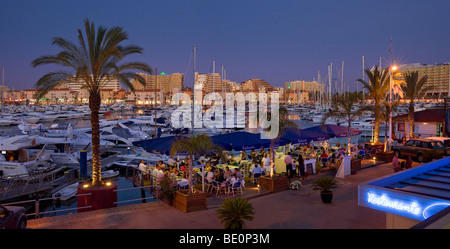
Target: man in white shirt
(171, 161)
(266, 163)
(203, 158)
(142, 167)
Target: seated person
(243, 155)
(228, 172)
(210, 175)
(220, 177)
(253, 154)
(232, 159)
(257, 169)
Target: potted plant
(167, 184)
(325, 184)
(234, 212)
(295, 185)
(191, 200)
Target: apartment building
(162, 82)
(438, 76)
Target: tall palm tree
(377, 87)
(413, 88)
(194, 146)
(344, 107)
(92, 62)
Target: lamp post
(391, 80)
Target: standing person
(171, 161)
(266, 163)
(408, 162)
(288, 162)
(301, 166)
(142, 167)
(395, 163)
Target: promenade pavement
(291, 209)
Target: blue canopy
(161, 145)
(333, 130)
(242, 140)
(298, 136)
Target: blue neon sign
(391, 201)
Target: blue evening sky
(277, 41)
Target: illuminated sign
(391, 201)
(384, 201)
(407, 193)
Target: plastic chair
(215, 185)
(256, 177)
(237, 185)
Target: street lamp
(391, 80)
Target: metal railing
(39, 214)
(18, 185)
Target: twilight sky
(277, 41)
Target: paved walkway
(288, 209)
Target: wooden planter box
(372, 146)
(385, 156)
(189, 202)
(356, 165)
(275, 184)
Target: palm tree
(194, 146)
(377, 87)
(414, 88)
(234, 211)
(92, 62)
(343, 108)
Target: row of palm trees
(344, 107)
(99, 54)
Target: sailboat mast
(3, 86)
(342, 78)
(193, 89)
(156, 84)
(363, 75)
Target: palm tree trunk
(411, 118)
(349, 137)
(94, 104)
(191, 171)
(272, 156)
(376, 134)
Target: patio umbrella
(242, 140)
(334, 130)
(161, 145)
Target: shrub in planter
(167, 184)
(325, 184)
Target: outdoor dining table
(230, 166)
(182, 182)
